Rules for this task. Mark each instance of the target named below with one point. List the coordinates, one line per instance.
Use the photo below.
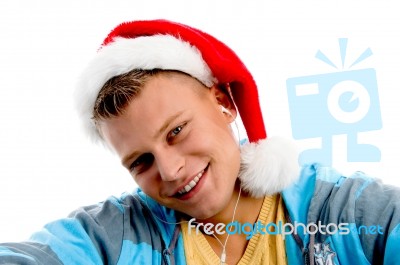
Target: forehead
(168, 89)
(184, 80)
(163, 96)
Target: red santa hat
(168, 45)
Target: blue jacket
(130, 230)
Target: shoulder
(128, 217)
(321, 181)
(112, 207)
(317, 185)
(369, 210)
(110, 230)
(115, 230)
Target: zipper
(306, 256)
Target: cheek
(216, 143)
(214, 130)
(148, 182)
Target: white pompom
(268, 166)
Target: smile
(191, 184)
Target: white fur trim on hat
(268, 166)
(123, 55)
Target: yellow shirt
(261, 249)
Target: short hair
(118, 92)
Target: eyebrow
(164, 127)
(166, 124)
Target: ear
(224, 99)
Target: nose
(170, 163)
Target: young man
(162, 96)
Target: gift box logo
(344, 102)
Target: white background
(48, 168)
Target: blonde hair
(118, 92)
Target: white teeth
(191, 184)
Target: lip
(195, 189)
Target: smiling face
(177, 144)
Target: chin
(203, 216)
(210, 209)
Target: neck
(247, 209)
(243, 209)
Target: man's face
(178, 145)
